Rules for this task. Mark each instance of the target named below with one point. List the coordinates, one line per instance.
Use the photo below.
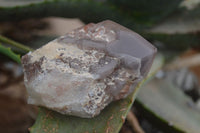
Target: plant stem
(131, 118)
(8, 52)
(15, 44)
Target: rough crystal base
(83, 71)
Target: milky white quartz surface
(83, 71)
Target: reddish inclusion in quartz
(82, 72)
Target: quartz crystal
(83, 71)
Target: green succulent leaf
(129, 15)
(87, 10)
(153, 10)
(178, 31)
(110, 120)
(176, 41)
(183, 21)
(8, 52)
(168, 107)
(15, 3)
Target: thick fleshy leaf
(180, 30)
(176, 41)
(170, 105)
(145, 10)
(110, 119)
(182, 21)
(86, 10)
(138, 15)
(13, 3)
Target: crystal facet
(83, 71)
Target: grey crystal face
(83, 71)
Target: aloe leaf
(178, 31)
(110, 119)
(145, 10)
(88, 10)
(8, 52)
(168, 107)
(12, 3)
(183, 20)
(175, 41)
(134, 14)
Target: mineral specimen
(83, 71)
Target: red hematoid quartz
(83, 71)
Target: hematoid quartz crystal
(83, 71)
